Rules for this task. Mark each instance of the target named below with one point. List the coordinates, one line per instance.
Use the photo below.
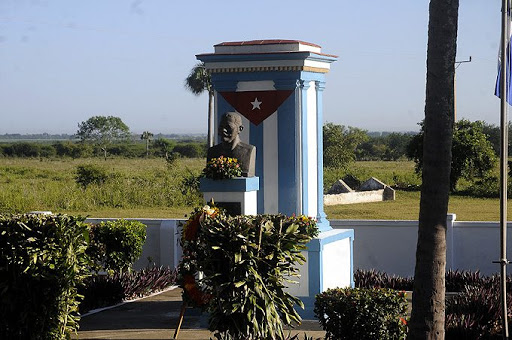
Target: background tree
(102, 131)
(147, 136)
(163, 147)
(473, 155)
(428, 299)
(198, 81)
(389, 147)
(340, 144)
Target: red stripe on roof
(266, 42)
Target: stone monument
(277, 87)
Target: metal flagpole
(505, 37)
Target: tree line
(102, 136)
(128, 149)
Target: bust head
(230, 127)
(231, 146)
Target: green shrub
(22, 149)
(355, 313)
(42, 263)
(243, 260)
(116, 245)
(90, 174)
(191, 150)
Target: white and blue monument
(277, 87)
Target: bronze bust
(231, 145)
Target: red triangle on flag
(256, 105)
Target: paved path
(156, 317)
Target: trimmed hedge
(356, 313)
(42, 262)
(116, 245)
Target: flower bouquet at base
(222, 168)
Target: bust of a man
(231, 146)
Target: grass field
(149, 188)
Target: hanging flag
(256, 106)
(497, 91)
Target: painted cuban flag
(256, 106)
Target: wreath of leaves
(237, 268)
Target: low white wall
(388, 246)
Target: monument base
(329, 264)
(237, 195)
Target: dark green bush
(22, 149)
(74, 150)
(115, 245)
(90, 174)
(42, 262)
(191, 150)
(360, 314)
(130, 150)
(47, 151)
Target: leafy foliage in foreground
(106, 290)
(42, 263)
(243, 261)
(363, 314)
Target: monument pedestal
(237, 195)
(329, 264)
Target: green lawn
(406, 207)
(148, 188)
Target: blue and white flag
(497, 91)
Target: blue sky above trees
(65, 61)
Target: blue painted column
(304, 157)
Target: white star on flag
(256, 104)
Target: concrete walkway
(156, 317)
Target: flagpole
(505, 37)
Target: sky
(64, 61)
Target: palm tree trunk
(211, 110)
(428, 304)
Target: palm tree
(428, 304)
(147, 136)
(198, 81)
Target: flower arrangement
(237, 267)
(193, 295)
(222, 168)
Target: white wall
(388, 246)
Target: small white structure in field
(372, 190)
